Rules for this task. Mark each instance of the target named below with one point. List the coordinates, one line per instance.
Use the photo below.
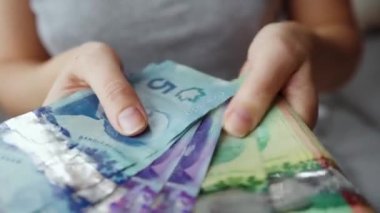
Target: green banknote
(279, 167)
(236, 180)
(236, 163)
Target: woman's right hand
(95, 65)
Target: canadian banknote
(180, 191)
(290, 172)
(139, 191)
(25, 188)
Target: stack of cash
(66, 157)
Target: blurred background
(349, 121)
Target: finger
(301, 94)
(271, 65)
(118, 98)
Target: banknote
(51, 154)
(301, 173)
(236, 164)
(285, 169)
(180, 192)
(280, 145)
(26, 189)
(141, 190)
(236, 179)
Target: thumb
(120, 104)
(118, 98)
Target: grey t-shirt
(210, 35)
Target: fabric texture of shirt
(210, 35)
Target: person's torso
(210, 35)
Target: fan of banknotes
(66, 157)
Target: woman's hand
(320, 50)
(279, 62)
(95, 65)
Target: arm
(317, 50)
(23, 86)
(29, 77)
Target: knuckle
(272, 27)
(287, 41)
(116, 90)
(286, 46)
(96, 47)
(93, 56)
(94, 52)
(273, 31)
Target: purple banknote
(180, 192)
(142, 189)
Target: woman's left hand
(279, 62)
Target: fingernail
(131, 121)
(238, 122)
